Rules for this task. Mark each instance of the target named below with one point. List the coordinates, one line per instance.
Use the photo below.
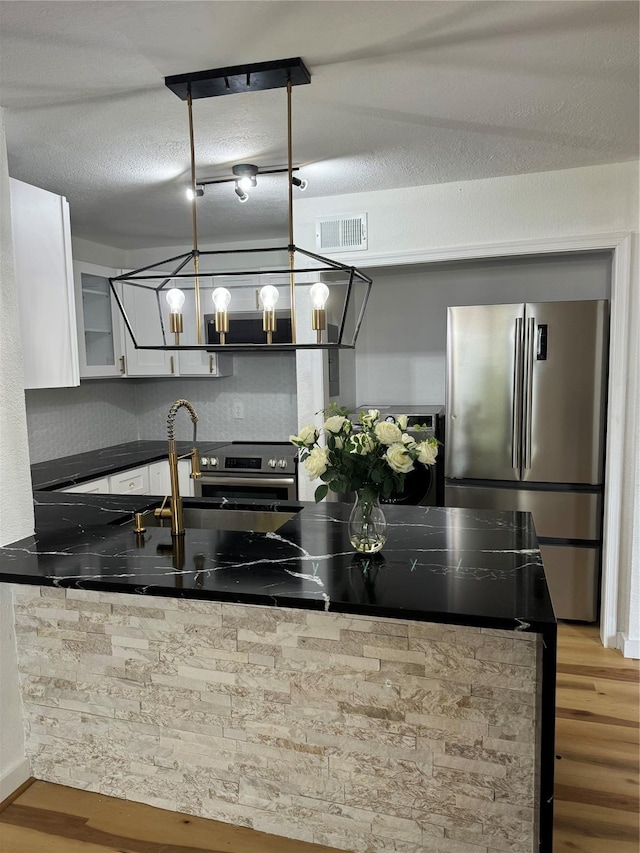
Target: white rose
(316, 462)
(308, 436)
(407, 440)
(362, 444)
(338, 442)
(398, 458)
(427, 451)
(402, 422)
(387, 433)
(334, 424)
(370, 418)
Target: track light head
(191, 195)
(242, 195)
(300, 183)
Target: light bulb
(190, 194)
(246, 183)
(175, 298)
(319, 294)
(221, 298)
(269, 296)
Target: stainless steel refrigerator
(526, 399)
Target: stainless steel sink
(214, 518)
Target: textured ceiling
(402, 93)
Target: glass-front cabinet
(101, 350)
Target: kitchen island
(403, 702)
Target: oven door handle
(223, 480)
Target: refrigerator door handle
(516, 421)
(527, 411)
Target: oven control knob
(204, 461)
(272, 463)
(282, 463)
(213, 461)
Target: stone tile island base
(361, 733)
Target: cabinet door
(100, 345)
(160, 479)
(44, 285)
(135, 481)
(243, 289)
(198, 363)
(91, 487)
(141, 306)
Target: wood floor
(597, 800)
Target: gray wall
(101, 412)
(400, 357)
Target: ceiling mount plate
(239, 78)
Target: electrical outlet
(238, 409)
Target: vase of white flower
(371, 459)
(367, 524)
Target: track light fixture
(199, 191)
(300, 183)
(246, 175)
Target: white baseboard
(13, 777)
(629, 648)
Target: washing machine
(424, 486)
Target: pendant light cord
(291, 244)
(194, 220)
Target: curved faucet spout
(174, 511)
(173, 411)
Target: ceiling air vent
(342, 233)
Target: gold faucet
(174, 510)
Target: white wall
(592, 200)
(475, 219)
(16, 502)
(400, 357)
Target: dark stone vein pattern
(439, 564)
(70, 470)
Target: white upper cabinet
(44, 283)
(100, 343)
(141, 306)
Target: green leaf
(321, 492)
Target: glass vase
(367, 524)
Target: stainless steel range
(263, 470)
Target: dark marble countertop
(473, 567)
(70, 470)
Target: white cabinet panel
(91, 487)
(160, 479)
(100, 341)
(141, 306)
(198, 363)
(44, 283)
(135, 481)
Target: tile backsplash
(101, 412)
(64, 421)
(264, 386)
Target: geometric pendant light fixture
(203, 300)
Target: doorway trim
(621, 245)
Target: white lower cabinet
(160, 479)
(135, 481)
(152, 479)
(92, 487)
